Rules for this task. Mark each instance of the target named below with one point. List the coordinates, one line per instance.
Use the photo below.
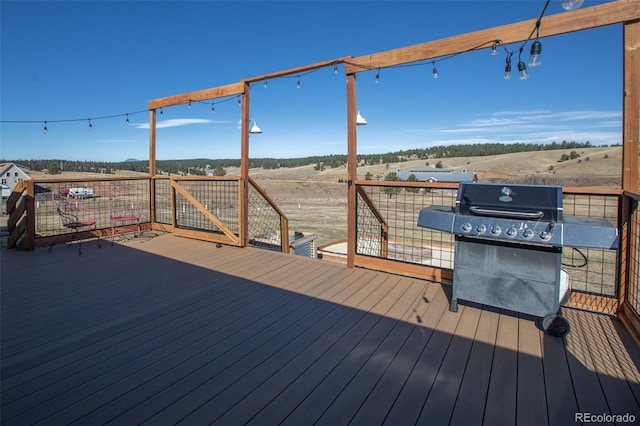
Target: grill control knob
(545, 235)
(527, 233)
(512, 231)
(496, 230)
(481, 229)
(466, 227)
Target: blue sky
(85, 59)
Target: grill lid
(521, 202)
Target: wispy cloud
(180, 122)
(536, 126)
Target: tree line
(204, 166)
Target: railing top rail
(591, 190)
(633, 195)
(89, 179)
(228, 178)
(442, 185)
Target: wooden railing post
(244, 168)
(352, 170)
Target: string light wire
(432, 62)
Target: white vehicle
(85, 192)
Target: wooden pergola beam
(197, 96)
(299, 70)
(562, 23)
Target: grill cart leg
(453, 306)
(556, 325)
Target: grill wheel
(556, 325)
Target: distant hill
(197, 166)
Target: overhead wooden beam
(562, 23)
(299, 70)
(199, 95)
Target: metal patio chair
(125, 209)
(75, 217)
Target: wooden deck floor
(174, 330)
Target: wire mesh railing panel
(218, 197)
(633, 260)
(370, 232)
(407, 242)
(265, 228)
(592, 271)
(83, 195)
(162, 201)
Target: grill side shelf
(437, 217)
(587, 232)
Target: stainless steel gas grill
(508, 247)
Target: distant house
(11, 174)
(438, 175)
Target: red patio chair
(125, 210)
(76, 217)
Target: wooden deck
(174, 330)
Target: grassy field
(316, 201)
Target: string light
(522, 69)
(534, 61)
(507, 68)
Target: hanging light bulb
(377, 76)
(494, 49)
(90, 125)
(536, 50)
(239, 103)
(265, 84)
(127, 120)
(45, 130)
(435, 70)
(572, 4)
(507, 69)
(189, 105)
(522, 69)
(213, 109)
(298, 84)
(335, 68)
(161, 113)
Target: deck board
(173, 330)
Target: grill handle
(501, 213)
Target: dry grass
(316, 201)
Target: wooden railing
(629, 310)
(207, 208)
(388, 238)
(425, 253)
